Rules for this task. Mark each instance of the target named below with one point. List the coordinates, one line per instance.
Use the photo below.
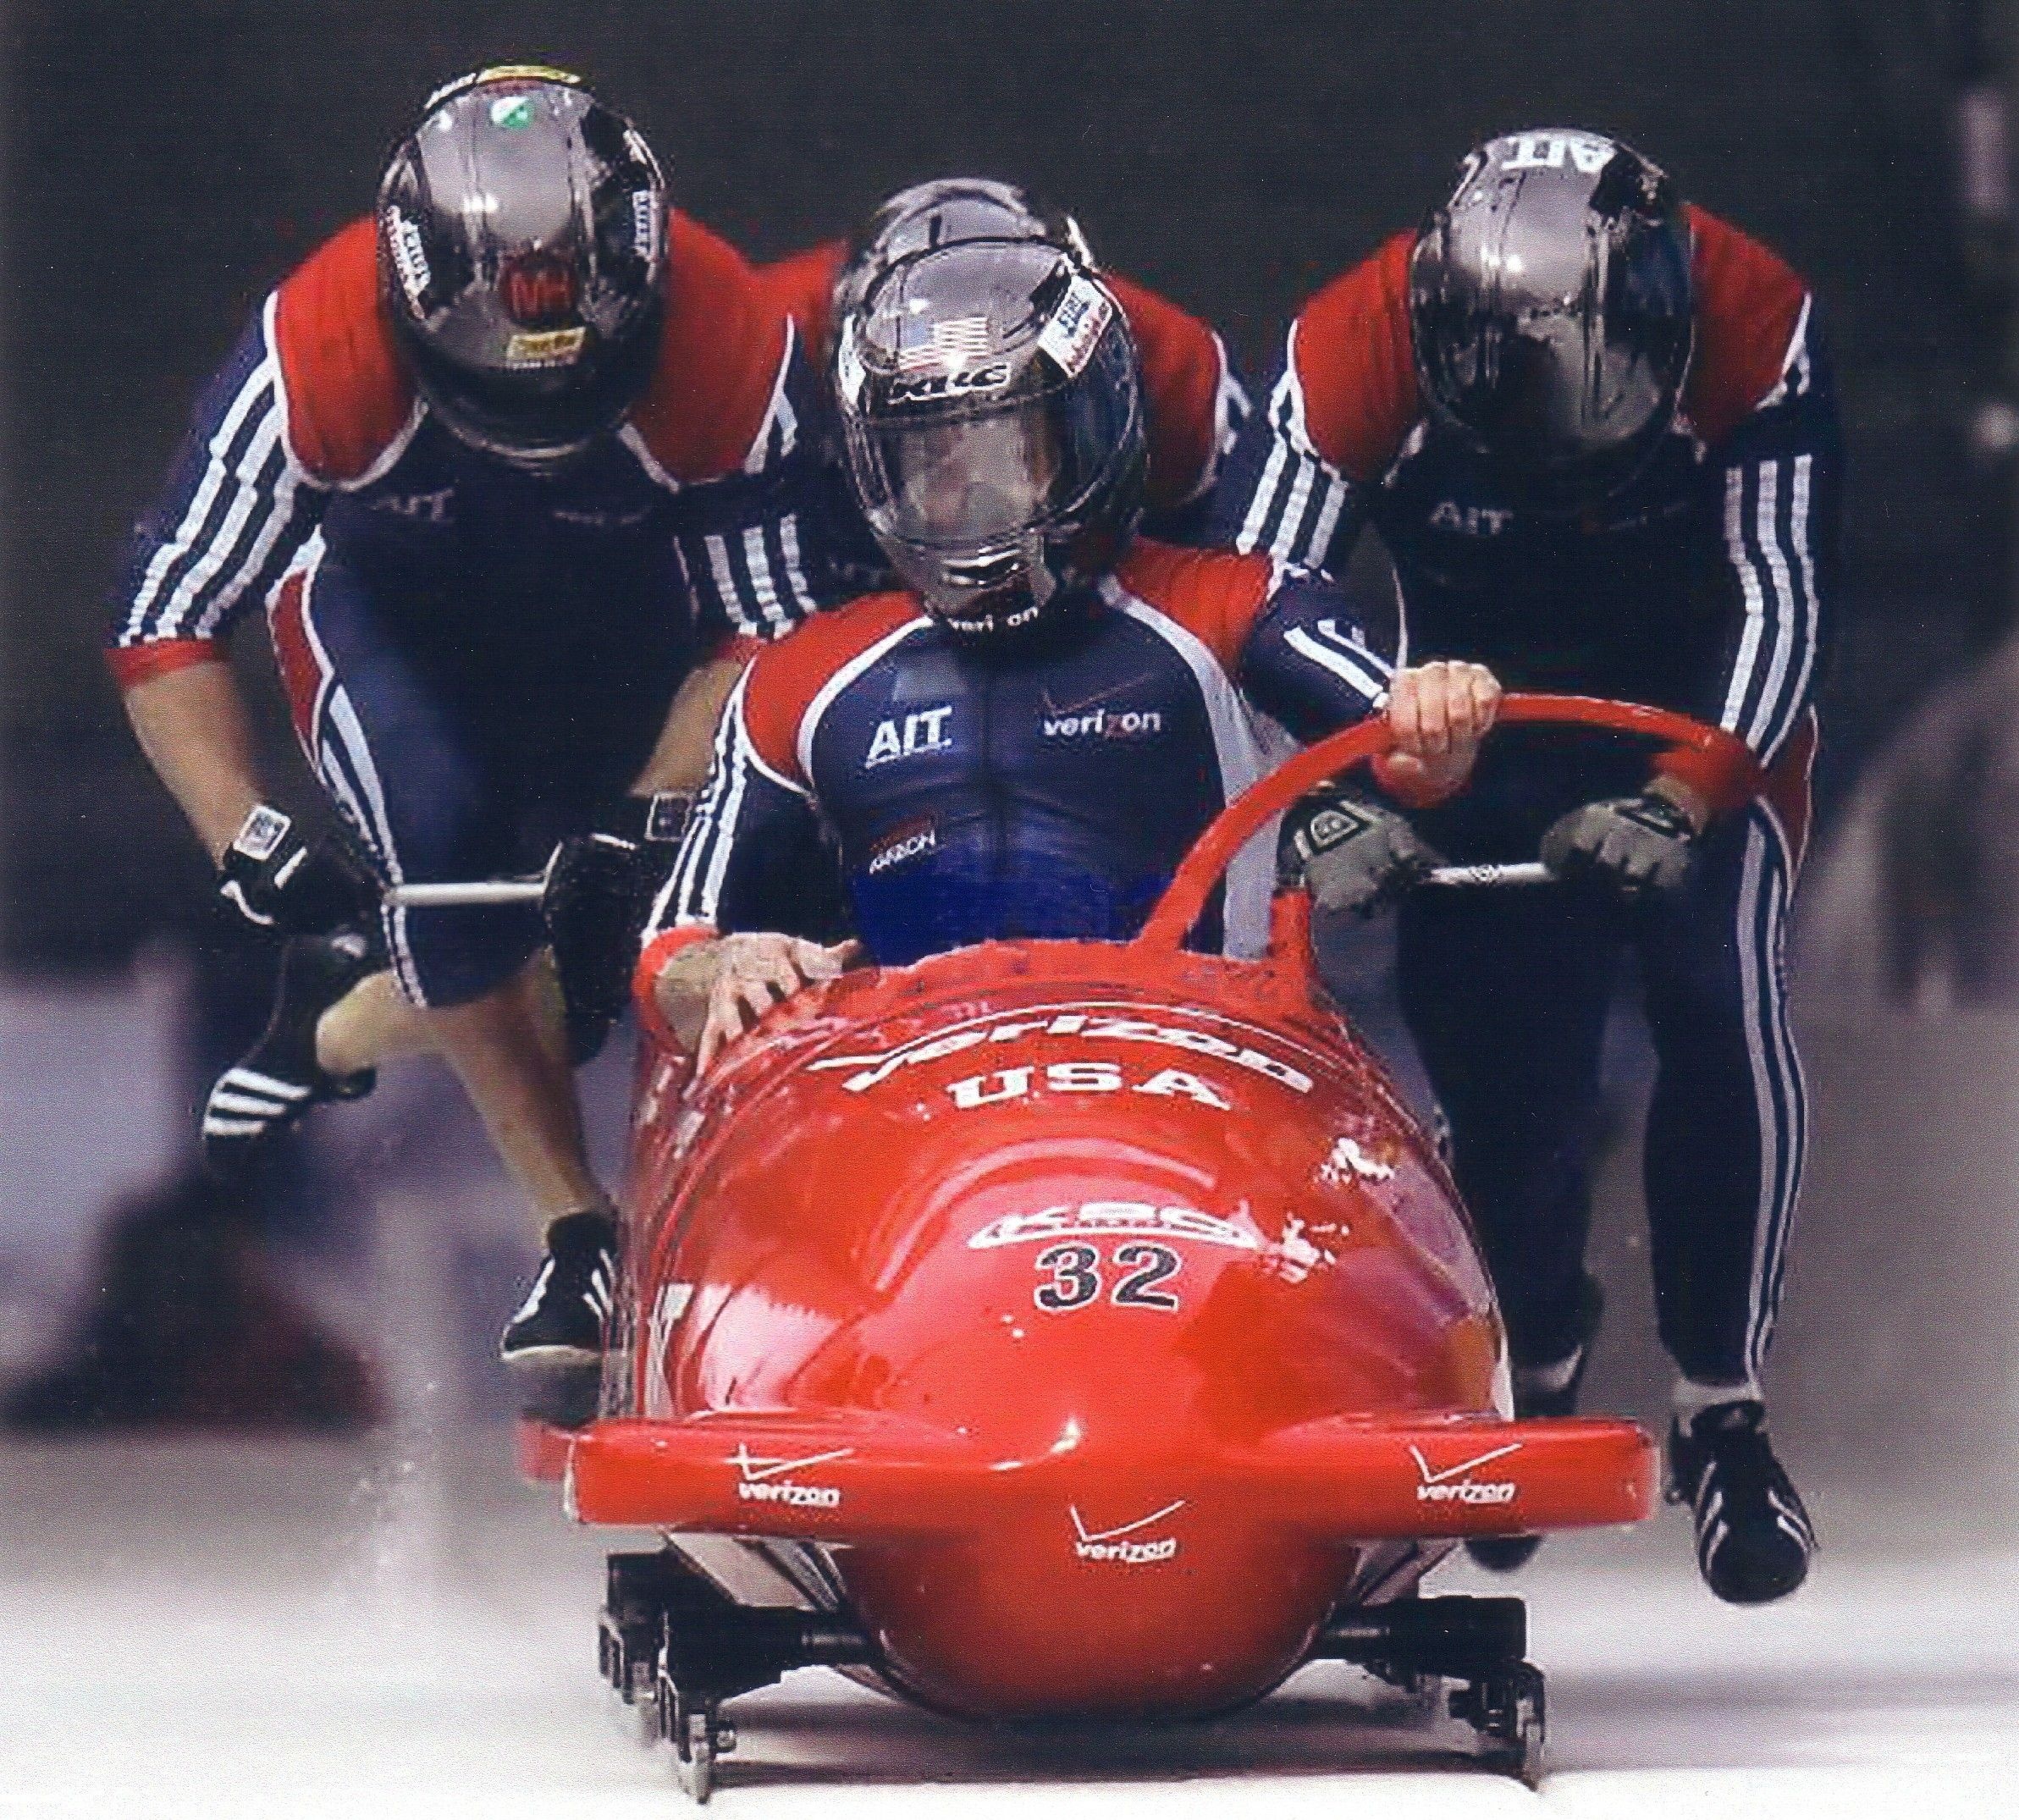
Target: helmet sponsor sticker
(512, 112)
(1107, 1217)
(552, 347)
(1075, 328)
(410, 255)
(1546, 152)
(848, 373)
(645, 225)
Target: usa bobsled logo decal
(1451, 1485)
(1125, 1543)
(764, 1481)
(1053, 1021)
(1106, 1218)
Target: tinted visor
(973, 472)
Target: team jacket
(973, 800)
(315, 424)
(1707, 586)
(1195, 403)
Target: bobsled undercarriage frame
(676, 1648)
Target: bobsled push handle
(1725, 756)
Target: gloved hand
(599, 893)
(1636, 846)
(1354, 855)
(275, 876)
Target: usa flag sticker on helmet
(1075, 328)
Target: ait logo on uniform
(906, 735)
(1472, 520)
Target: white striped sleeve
(1293, 503)
(238, 507)
(1769, 542)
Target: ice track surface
(218, 1630)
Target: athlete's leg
(1506, 993)
(400, 749)
(1725, 1137)
(1729, 1121)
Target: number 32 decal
(1076, 1277)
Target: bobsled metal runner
(1070, 1329)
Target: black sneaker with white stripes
(269, 1089)
(564, 1320)
(1754, 1538)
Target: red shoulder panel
(803, 286)
(1748, 303)
(348, 393)
(1356, 365)
(718, 364)
(1215, 595)
(1181, 389)
(787, 676)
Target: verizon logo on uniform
(1102, 723)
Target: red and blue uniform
(974, 798)
(475, 654)
(1708, 585)
(1194, 402)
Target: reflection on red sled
(1071, 1329)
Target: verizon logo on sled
(1451, 1486)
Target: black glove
(1636, 846)
(274, 875)
(1353, 854)
(600, 887)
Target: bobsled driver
(1026, 740)
(1193, 404)
(1595, 429)
(504, 462)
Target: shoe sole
(548, 1357)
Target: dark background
(165, 165)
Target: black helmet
(944, 213)
(993, 411)
(521, 254)
(1550, 303)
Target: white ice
(224, 1629)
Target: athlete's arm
(716, 944)
(238, 506)
(1307, 664)
(1779, 476)
(191, 724)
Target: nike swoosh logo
(1452, 1472)
(1141, 1523)
(753, 1468)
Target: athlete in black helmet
(1595, 429)
(1025, 740)
(504, 462)
(522, 255)
(1193, 401)
(996, 452)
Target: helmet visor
(972, 474)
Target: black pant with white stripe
(1507, 993)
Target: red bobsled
(1074, 1328)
